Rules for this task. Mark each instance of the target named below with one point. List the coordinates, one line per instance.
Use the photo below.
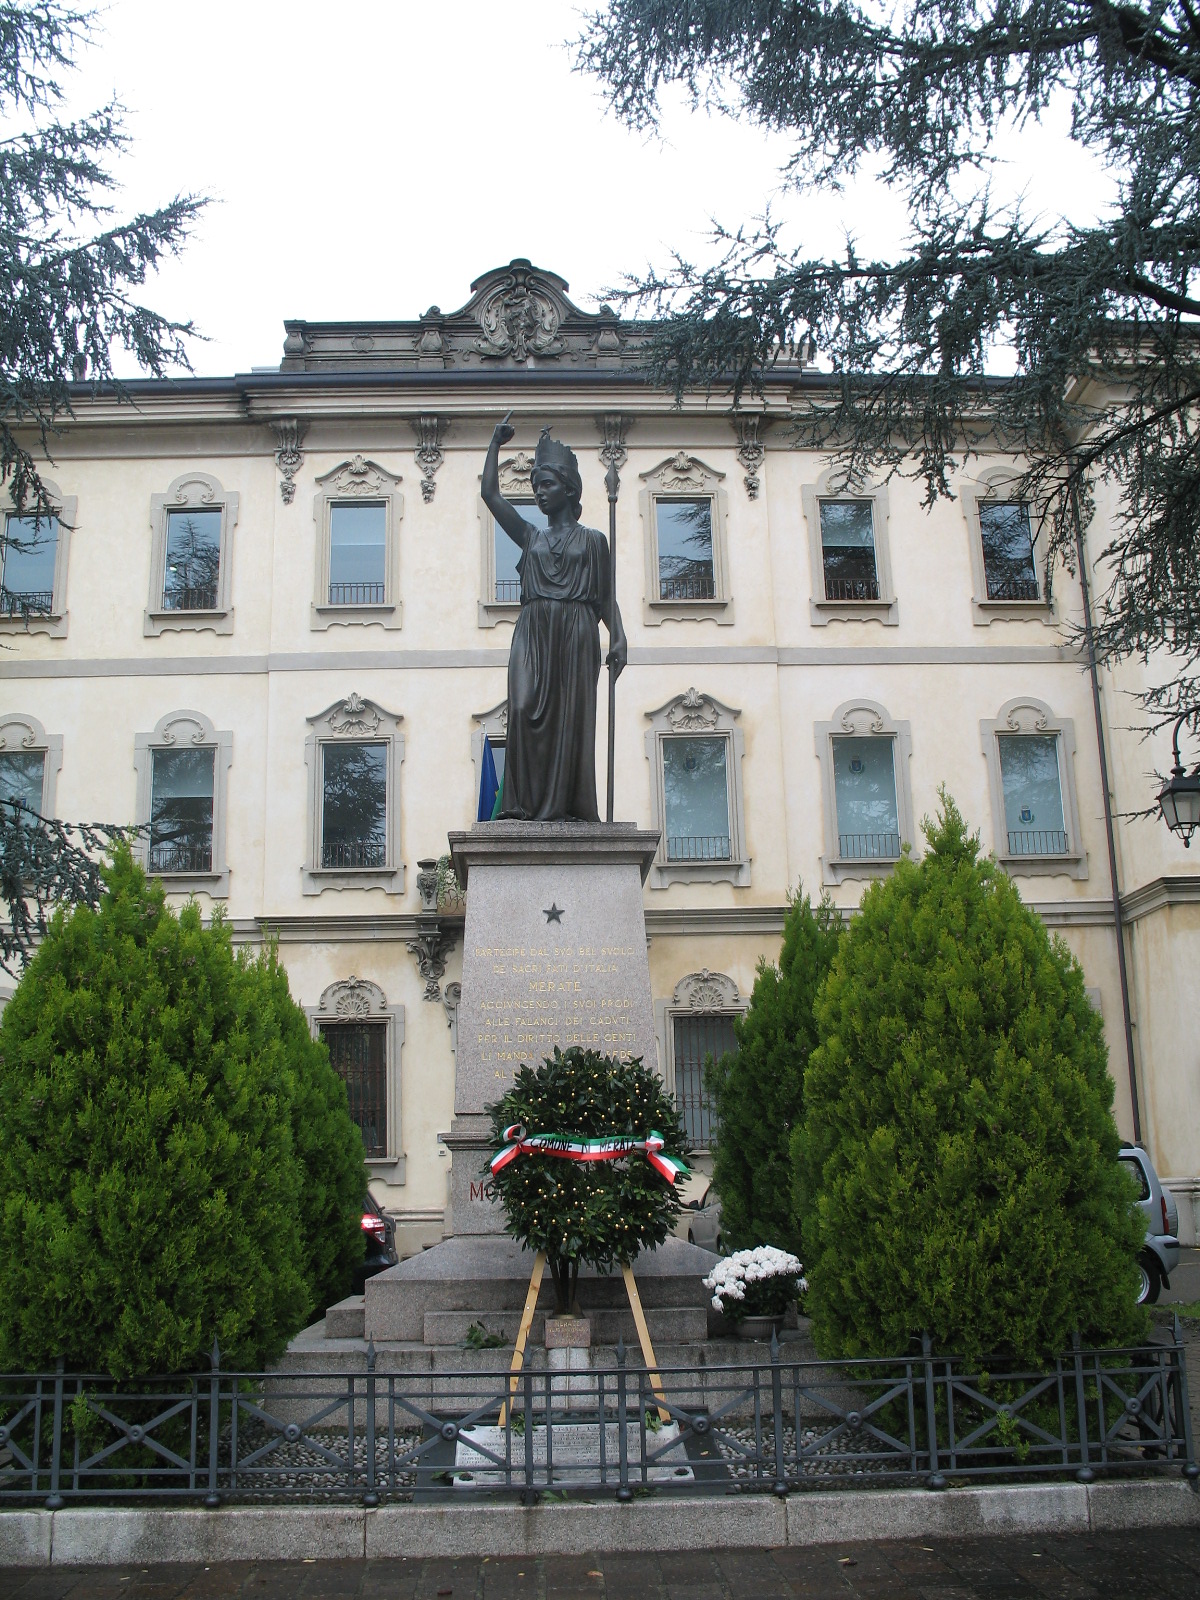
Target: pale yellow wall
(274, 671)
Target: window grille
(27, 563)
(1033, 803)
(684, 530)
(1007, 540)
(358, 1052)
(848, 550)
(181, 811)
(699, 1035)
(358, 553)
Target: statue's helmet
(552, 455)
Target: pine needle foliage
(45, 863)
(177, 1163)
(956, 1171)
(758, 1090)
(600, 1213)
(1101, 317)
(69, 270)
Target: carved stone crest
(358, 479)
(516, 475)
(352, 999)
(707, 991)
(519, 320)
(354, 715)
(693, 710)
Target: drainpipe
(1118, 918)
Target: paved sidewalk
(1156, 1564)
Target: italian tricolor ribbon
(518, 1142)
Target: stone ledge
(102, 1537)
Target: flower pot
(758, 1327)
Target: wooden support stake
(535, 1285)
(639, 1322)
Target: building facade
(271, 623)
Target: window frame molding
(492, 724)
(683, 476)
(350, 1000)
(1000, 483)
(355, 719)
(210, 496)
(702, 993)
(516, 482)
(821, 612)
(66, 509)
(358, 478)
(165, 736)
(34, 738)
(862, 718)
(700, 715)
(1025, 714)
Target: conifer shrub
(758, 1090)
(177, 1162)
(956, 1170)
(598, 1212)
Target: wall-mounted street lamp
(1179, 797)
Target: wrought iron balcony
(1012, 588)
(869, 846)
(350, 854)
(26, 602)
(687, 586)
(508, 590)
(698, 847)
(356, 594)
(180, 855)
(1037, 842)
(190, 597)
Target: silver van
(1160, 1253)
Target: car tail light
(1162, 1201)
(375, 1226)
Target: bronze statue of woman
(554, 662)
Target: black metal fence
(771, 1425)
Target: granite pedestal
(554, 953)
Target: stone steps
(676, 1324)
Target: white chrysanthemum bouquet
(756, 1283)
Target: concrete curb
(129, 1536)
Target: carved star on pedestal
(552, 912)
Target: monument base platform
(432, 1299)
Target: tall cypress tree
(957, 1171)
(758, 1090)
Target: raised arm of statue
(507, 515)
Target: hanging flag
(489, 783)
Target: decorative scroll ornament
(450, 1001)
(693, 710)
(354, 715)
(430, 431)
(289, 457)
(519, 320)
(751, 452)
(359, 478)
(431, 947)
(518, 1142)
(192, 491)
(613, 427)
(863, 716)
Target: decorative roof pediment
(518, 315)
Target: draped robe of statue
(553, 670)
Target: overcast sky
(371, 158)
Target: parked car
(1160, 1253)
(702, 1214)
(379, 1242)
